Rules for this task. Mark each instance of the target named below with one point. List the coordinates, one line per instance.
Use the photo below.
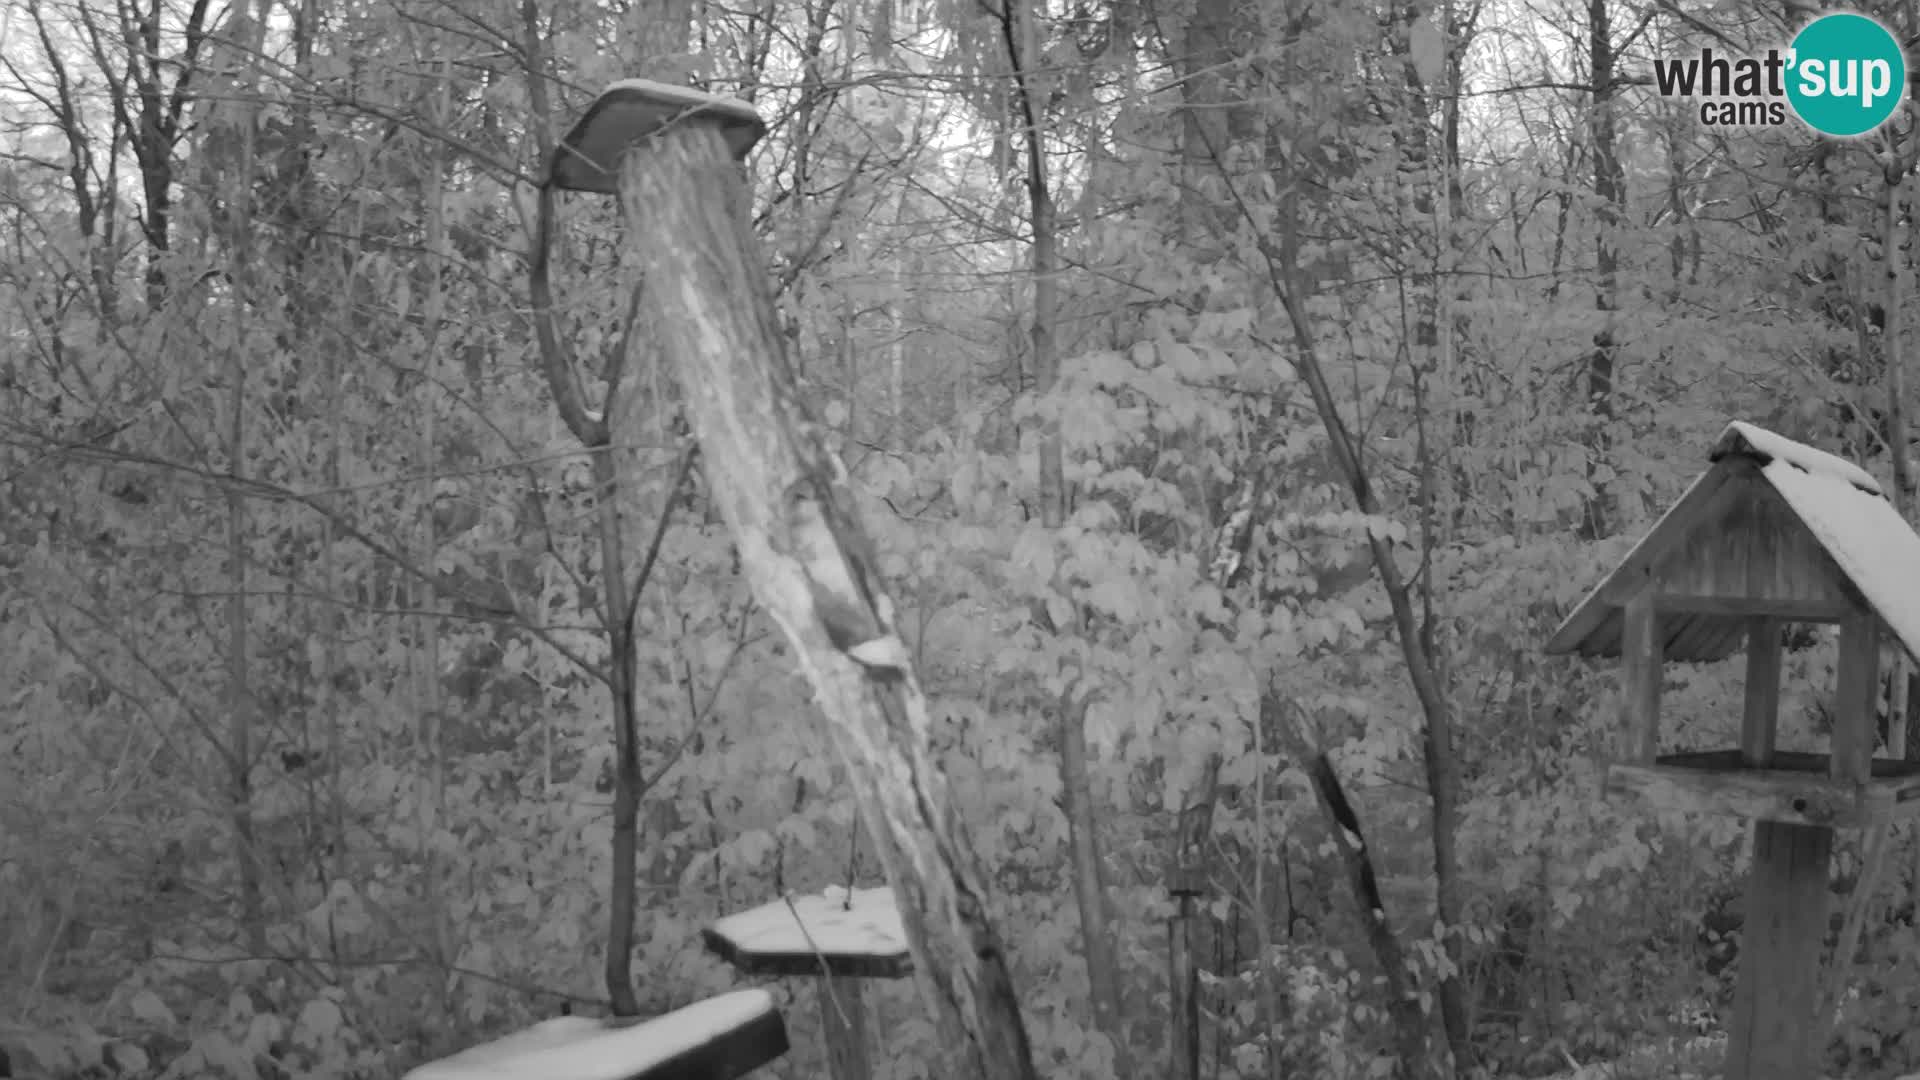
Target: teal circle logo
(1847, 74)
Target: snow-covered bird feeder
(1772, 533)
(840, 936)
(633, 110)
(717, 1039)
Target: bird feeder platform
(838, 937)
(633, 110)
(721, 1038)
(853, 934)
(1795, 788)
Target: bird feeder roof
(631, 110)
(1773, 528)
(856, 934)
(717, 1039)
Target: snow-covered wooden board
(628, 111)
(1805, 458)
(1877, 550)
(1848, 511)
(717, 1039)
(857, 935)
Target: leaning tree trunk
(784, 495)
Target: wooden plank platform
(1795, 789)
(721, 1038)
(854, 934)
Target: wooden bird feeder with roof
(841, 936)
(1773, 533)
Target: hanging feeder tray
(855, 934)
(630, 111)
(721, 1038)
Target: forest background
(361, 699)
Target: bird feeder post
(1184, 978)
(1786, 895)
(1187, 885)
(1775, 532)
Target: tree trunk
(1442, 767)
(786, 499)
(1076, 788)
(626, 752)
(1349, 841)
(1205, 67)
(617, 599)
(239, 690)
(1896, 233)
(1609, 185)
(253, 920)
(432, 806)
(1434, 184)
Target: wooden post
(1762, 712)
(1187, 883)
(1642, 670)
(1771, 1036)
(1183, 978)
(1786, 920)
(1856, 697)
(843, 1027)
(785, 498)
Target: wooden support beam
(1762, 711)
(1641, 673)
(1753, 794)
(1795, 609)
(1856, 697)
(1184, 977)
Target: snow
(588, 158)
(578, 1048)
(668, 94)
(865, 924)
(1877, 550)
(1800, 456)
(1840, 503)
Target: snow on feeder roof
(720, 1038)
(855, 934)
(1772, 528)
(630, 111)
